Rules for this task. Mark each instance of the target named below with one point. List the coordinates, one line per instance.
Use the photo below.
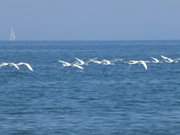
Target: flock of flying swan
(80, 64)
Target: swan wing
(144, 65)
(155, 60)
(29, 67)
(78, 66)
(80, 61)
(4, 64)
(65, 64)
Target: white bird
(155, 60)
(26, 64)
(95, 61)
(132, 62)
(166, 59)
(67, 64)
(104, 61)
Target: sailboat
(12, 35)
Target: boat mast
(12, 35)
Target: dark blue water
(101, 100)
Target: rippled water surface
(100, 100)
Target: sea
(118, 99)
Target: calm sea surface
(100, 100)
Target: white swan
(94, 60)
(132, 62)
(166, 59)
(103, 62)
(67, 64)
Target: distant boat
(12, 35)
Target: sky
(90, 19)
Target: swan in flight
(67, 64)
(166, 59)
(132, 62)
(94, 60)
(155, 60)
(103, 62)
(25, 64)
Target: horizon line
(94, 40)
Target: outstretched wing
(81, 62)
(78, 66)
(4, 64)
(144, 65)
(27, 65)
(64, 63)
(155, 59)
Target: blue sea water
(100, 100)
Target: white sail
(12, 35)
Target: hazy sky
(90, 19)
